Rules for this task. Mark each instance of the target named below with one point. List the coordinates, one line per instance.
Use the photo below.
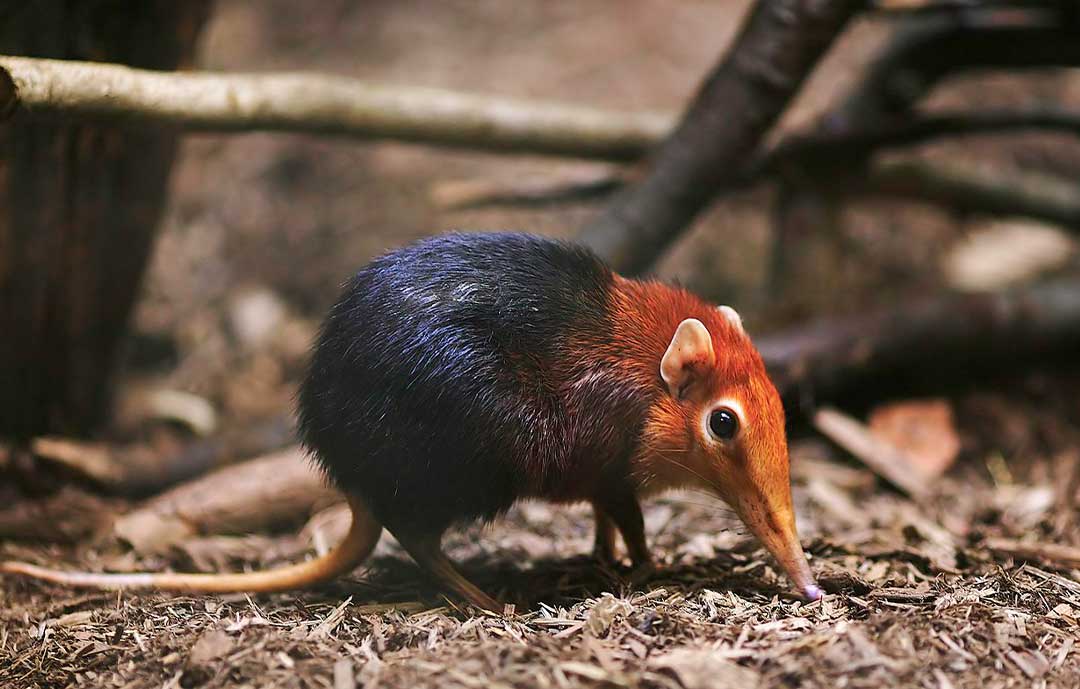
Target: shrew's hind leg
(427, 551)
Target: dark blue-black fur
(435, 387)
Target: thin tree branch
(336, 105)
(925, 50)
(201, 102)
(778, 45)
(975, 190)
(531, 190)
(959, 187)
(909, 7)
(325, 105)
(833, 147)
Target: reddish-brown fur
(646, 314)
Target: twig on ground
(1052, 553)
(88, 459)
(882, 458)
(142, 468)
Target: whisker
(692, 503)
(694, 472)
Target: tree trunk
(79, 205)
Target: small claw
(813, 592)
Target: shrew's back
(437, 387)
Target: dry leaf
(701, 669)
(213, 644)
(923, 429)
(604, 612)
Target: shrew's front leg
(619, 505)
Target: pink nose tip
(812, 592)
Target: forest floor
(915, 597)
(261, 230)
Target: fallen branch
(262, 493)
(1062, 556)
(881, 457)
(90, 460)
(144, 468)
(775, 50)
(923, 340)
(322, 104)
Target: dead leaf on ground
(923, 429)
(697, 668)
(210, 646)
(604, 612)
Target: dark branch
(957, 7)
(775, 50)
(827, 147)
(924, 50)
(950, 335)
(973, 190)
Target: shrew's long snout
(770, 517)
(784, 545)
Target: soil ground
(915, 597)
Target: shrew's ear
(732, 316)
(690, 354)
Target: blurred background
(259, 230)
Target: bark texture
(78, 208)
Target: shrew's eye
(723, 424)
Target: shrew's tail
(357, 545)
